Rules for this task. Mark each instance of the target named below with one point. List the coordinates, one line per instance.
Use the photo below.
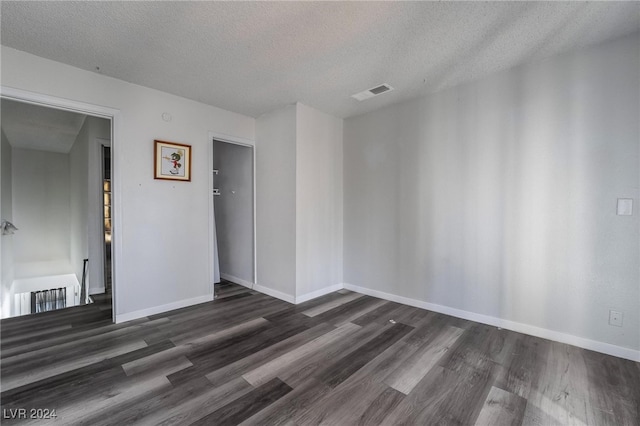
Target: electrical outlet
(615, 318)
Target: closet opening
(233, 205)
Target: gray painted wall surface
(84, 217)
(6, 241)
(276, 200)
(41, 209)
(234, 209)
(499, 197)
(299, 200)
(79, 200)
(318, 200)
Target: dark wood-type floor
(341, 359)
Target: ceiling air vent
(374, 91)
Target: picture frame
(172, 161)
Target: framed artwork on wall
(172, 161)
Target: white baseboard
(274, 293)
(291, 299)
(318, 293)
(162, 308)
(96, 290)
(606, 348)
(236, 280)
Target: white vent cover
(374, 91)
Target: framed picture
(172, 161)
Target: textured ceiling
(34, 127)
(253, 57)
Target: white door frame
(114, 116)
(212, 247)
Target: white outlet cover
(625, 206)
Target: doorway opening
(48, 194)
(233, 218)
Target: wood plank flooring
(342, 359)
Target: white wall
(299, 202)
(41, 212)
(6, 241)
(234, 209)
(499, 197)
(161, 265)
(318, 200)
(276, 201)
(83, 192)
(78, 199)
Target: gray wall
(41, 211)
(6, 241)
(276, 200)
(82, 216)
(499, 197)
(79, 200)
(299, 202)
(318, 201)
(234, 209)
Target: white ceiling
(35, 127)
(253, 57)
